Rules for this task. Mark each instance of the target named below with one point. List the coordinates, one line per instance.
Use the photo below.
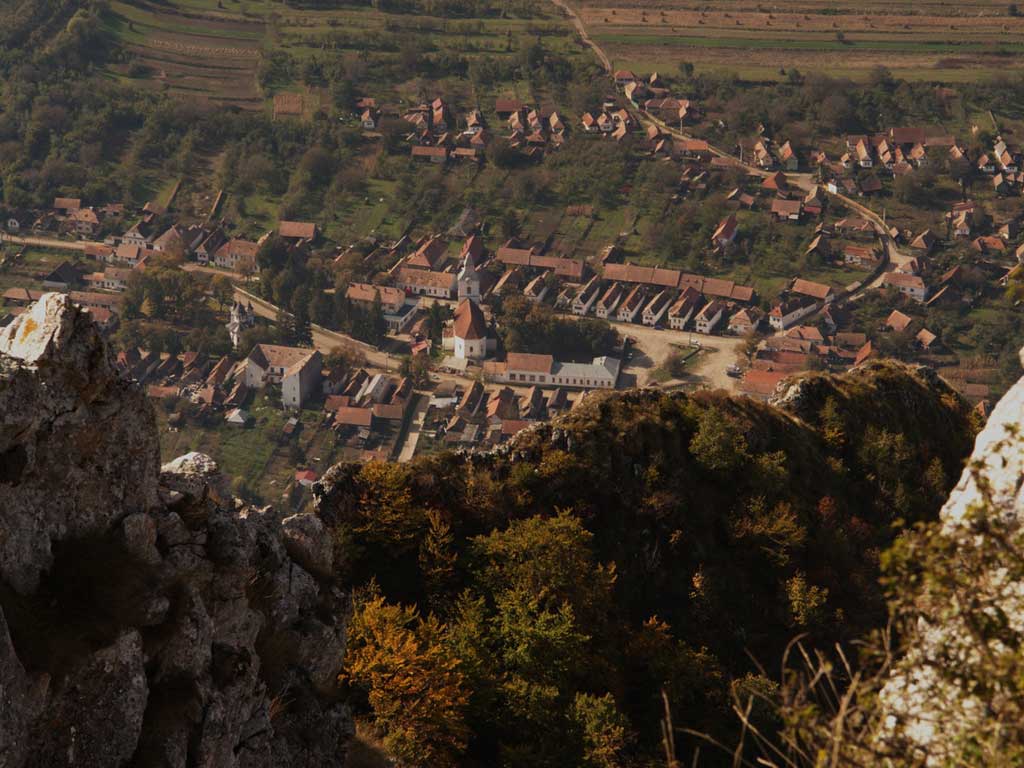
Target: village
(440, 374)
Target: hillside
(645, 542)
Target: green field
(939, 41)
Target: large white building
(297, 370)
(524, 368)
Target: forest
(645, 543)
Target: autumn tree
(412, 681)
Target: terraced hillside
(191, 52)
(941, 41)
(244, 53)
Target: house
(709, 316)
(745, 321)
(132, 255)
(505, 107)
(84, 221)
(300, 231)
(790, 311)
(586, 296)
(209, 244)
(863, 256)
(683, 309)
(787, 210)
(437, 155)
(623, 77)
(429, 254)
(469, 331)
(140, 233)
(111, 279)
(818, 291)
(369, 119)
(924, 242)
(365, 295)
(237, 254)
(426, 282)
(870, 185)
(608, 303)
(725, 234)
(909, 285)
(66, 205)
(62, 277)
(788, 157)
(814, 202)
(775, 183)
(297, 370)
(631, 305)
(656, 308)
(897, 321)
(926, 339)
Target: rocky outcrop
(146, 617)
(930, 710)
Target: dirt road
(577, 22)
(652, 346)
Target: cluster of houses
(437, 136)
(476, 417)
(366, 410)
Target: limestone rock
(146, 617)
(309, 543)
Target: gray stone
(206, 577)
(309, 543)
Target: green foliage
(525, 326)
(678, 538)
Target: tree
(302, 331)
(602, 729)
(223, 291)
(718, 444)
(414, 685)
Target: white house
(686, 305)
(427, 282)
(909, 285)
(789, 312)
(297, 370)
(609, 301)
(587, 295)
(709, 317)
(631, 305)
(656, 308)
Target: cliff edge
(146, 617)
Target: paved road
(324, 339)
(412, 436)
(48, 242)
